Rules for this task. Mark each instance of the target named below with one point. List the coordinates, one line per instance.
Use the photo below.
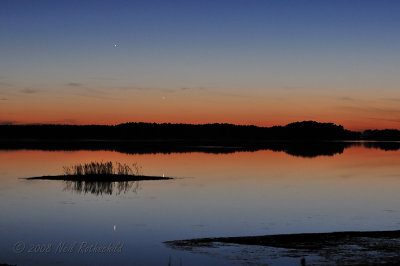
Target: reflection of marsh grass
(102, 168)
(99, 187)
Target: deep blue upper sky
(222, 34)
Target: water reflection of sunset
(241, 193)
(204, 165)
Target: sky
(245, 62)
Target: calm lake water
(242, 193)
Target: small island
(101, 178)
(101, 172)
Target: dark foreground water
(243, 193)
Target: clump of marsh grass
(103, 168)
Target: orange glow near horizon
(200, 108)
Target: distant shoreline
(305, 130)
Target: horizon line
(193, 124)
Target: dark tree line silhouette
(385, 134)
(306, 130)
(297, 139)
